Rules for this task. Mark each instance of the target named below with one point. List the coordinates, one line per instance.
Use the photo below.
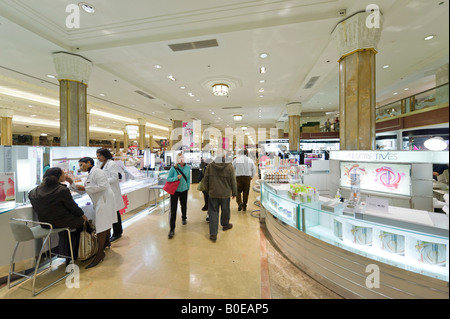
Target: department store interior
(343, 106)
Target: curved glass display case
(416, 246)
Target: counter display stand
(361, 255)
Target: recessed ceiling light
(262, 81)
(182, 87)
(157, 66)
(51, 76)
(431, 36)
(262, 70)
(264, 55)
(406, 89)
(395, 93)
(87, 7)
(386, 66)
(261, 90)
(261, 96)
(102, 94)
(190, 94)
(172, 77)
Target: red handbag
(171, 187)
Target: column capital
(360, 31)
(72, 67)
(6, 113)
(280, 125)
(294, 108)
(176, 114)
(142, 121)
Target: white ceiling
(124, 40)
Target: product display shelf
(280, 206)
(422, 253)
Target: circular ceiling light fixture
(436, 143)
(87, 7)
(429, 37)
(264, 55)
(237, 117)
(220, 89)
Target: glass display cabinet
(411, 247)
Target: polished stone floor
(144, 263)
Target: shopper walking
(111, 169)
(179, 172)
(98, 189)
(53, 204)
(220, 183)
(245, 169)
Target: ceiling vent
(145, 95)
(231, 107)
(194, 45)
(311, 82)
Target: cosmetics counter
(20, 159)
(361, 251)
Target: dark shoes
(171, 234)
(204, 208)
(114, 237)
(96, 261)
(242, 207)
(184, 222)
(213, 238)
(226, 227)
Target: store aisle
(144, 263)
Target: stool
(159, 186)
(22, 232)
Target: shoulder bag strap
(181, 173)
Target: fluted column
(6, 116)
(73, 72)
(294, 110)
(356, 39)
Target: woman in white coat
(111, 169)
(98, 189)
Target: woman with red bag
(182, 173)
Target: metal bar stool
(23, 232)
(157, 188)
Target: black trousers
(174, 207)
(117, 227)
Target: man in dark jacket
(220, 183)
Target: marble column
(356, 39)
(176, 135)
(125, 141)
(6, 116)
(141, 141)
(35, 135)
(117, 145)
(73, 72)
(294, 109)
(280, 129)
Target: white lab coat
(112, 172)
(99, 190)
